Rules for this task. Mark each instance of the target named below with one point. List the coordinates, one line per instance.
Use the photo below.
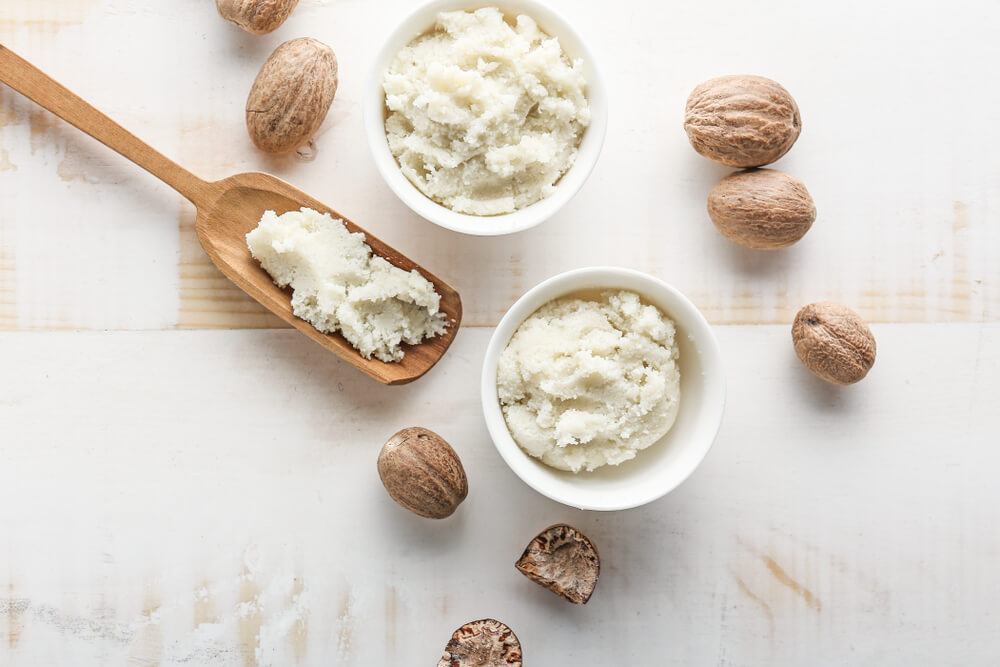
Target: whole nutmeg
(833, 342)
(423, 473)
(564, 560)
(483, 643)
(742, 120)
(291, 95)
(761, 208)
(258, 17)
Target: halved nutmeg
(483, 643)
(564, 560)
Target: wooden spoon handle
(34, 84)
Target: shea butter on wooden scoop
(227, 211)
(338, 285)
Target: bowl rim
(569, 184)
(512, 454)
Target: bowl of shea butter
(485, 119)
(603, 388)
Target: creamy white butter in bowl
(648, 344)
(485, 118)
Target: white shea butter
(339, 285)
(584, 383)
(483, 116)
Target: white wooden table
(172, 495)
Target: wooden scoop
(230, 208)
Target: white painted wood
(211, 498)
(900, 114)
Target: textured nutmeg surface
(833, 342)
(291, 95)
(484, 643)
(564, 560)
(742, 120)
(761, 208)
(423, 473)
(258, 17)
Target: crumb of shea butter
(583, 384)
(339, 285)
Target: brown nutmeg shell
(423, 473)
(761, 208)
(257, 17)
(483, 643)
(833, 342)
(291, 95)
(742, 120)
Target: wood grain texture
(238, 518)
(209, 300)
(8, 288)
(230, 208)
(907, 197)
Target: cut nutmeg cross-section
(564, 560)
(483, 643)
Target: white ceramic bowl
(590, 147)
(664, 465)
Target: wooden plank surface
(899, 119)
(201, 497)
(211, 498)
